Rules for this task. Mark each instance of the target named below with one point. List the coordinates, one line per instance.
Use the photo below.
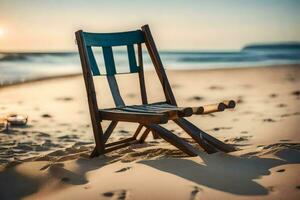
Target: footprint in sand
(281, 105)
(46, 116)
(68, 137)
(88, 186)
(210, 115)
(123, 169)
(36, 108)
(153, 142)
(290, 78)
(174, 86)
(248, 86)
(64, 98)
(66, 176)
(247, 112)
(122, 195)
(41, 134)
(216, 87)
(195, 98)
(238, 139)
(273, 95)
(271, 188)
(240, 100)
(287, 115)
(123, 132)
(285, 145)
(24, 147)
(119, 194)
(194, 192)
(131, 95)
(269, 120)
(284, 140)
(221, 128)
(63, 124)
(108, 194)
(296, 93)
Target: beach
(49, 157)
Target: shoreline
(39, 80)
(168, 70)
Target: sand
(48, 158)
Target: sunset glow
(1, 32)
(180, 25)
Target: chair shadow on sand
(24, 185)
(225, 172)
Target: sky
(49, 25)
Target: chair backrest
(107, 41)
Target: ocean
(22, 67)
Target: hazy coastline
(23, 67)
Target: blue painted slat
(113, 39)
(109, 61)
(131, 58)
(92, 61)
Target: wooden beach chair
(147, 116)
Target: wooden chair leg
(173, 139)
(197, 137)
(197, 133)
(98, 136)
(109, 130)
(144, 135)
(94, 153)
(155, 135)
(138, 130)
(105, 137)
(120, 144)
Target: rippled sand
(51, 152)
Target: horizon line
(164, 50)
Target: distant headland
(274, 46)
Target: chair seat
(158, 113)
(172, 111)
